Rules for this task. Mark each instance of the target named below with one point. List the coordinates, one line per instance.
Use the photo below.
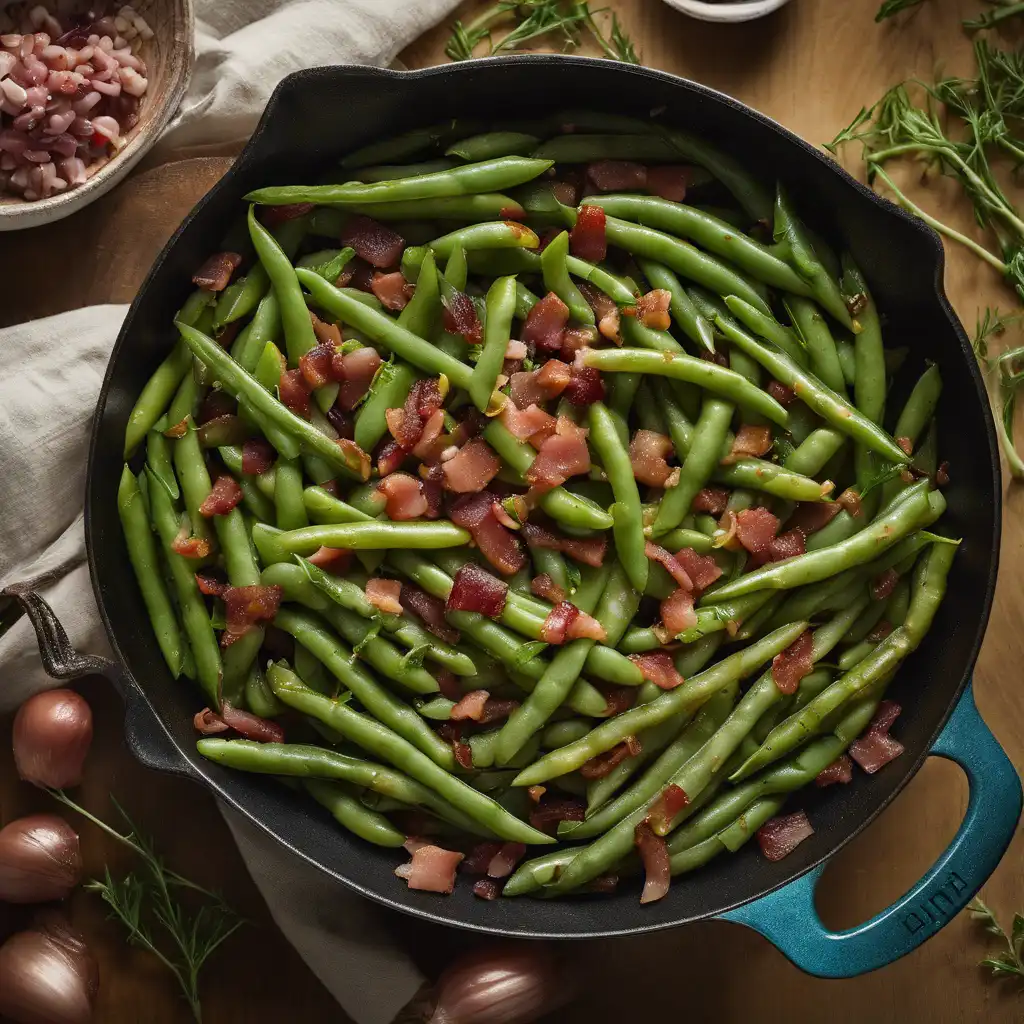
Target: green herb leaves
(561, 21)
(1008, 962)
(149, 903)
(891, 7)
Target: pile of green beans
(769, 335)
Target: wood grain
(812, 66)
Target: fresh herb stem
(1005, 9)
(891, 7)
(151, 894)
(535, 19)
(943, 229)
(1007, 963)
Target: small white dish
(739, 10)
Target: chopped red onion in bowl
(70, 91)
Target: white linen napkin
(244, 48)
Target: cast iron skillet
(312, 119)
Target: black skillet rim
(197, 768)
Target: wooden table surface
(812, 66)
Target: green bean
(423, 311)
(792, 237)
(686, 260)
(291, 513)
(311, 671)
(493, 144)
(869, 382)
(325, 509)
(375, 536)
(819, 343)
(567, 508)
(914, 417)
(811, 455)
(558, 734)
(705, 449)
(501, 301)
(729, 615)
(549, 562)
(484, 206)
(243, 386)
(270, 366)
(350, 596)
(233, 536)
(706, 231)
(555, 684)
(691, 772)
(690, 320)
(660, 143)
(920, 406)
(616, 289)
(929, 589)
(484, 176)
(328, 263)
(377, 651)
(194, 617)
(759, 475)
(725, 383)
(847, 360)
(626, 512)
(142, 553)
(767, 327)
(437, 710)
(794, 774)
(381, 741)
(259, 698)
(153, 402)
(158, 458)
(894, 610)
(346, 809)
(195, 481)
(381, 329)
(526, 615)
(534, 874)
(492, 638)
(830, 406)
(242, 297)
(296, 760)
(681, 700)
(814, 566)
(623, 391)
(312, 633)
(298, 587)
(525, 301)
(389, 390)
(495, 234)
(401, 147)
(557, 280)
(298, 328)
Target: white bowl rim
(742, 10)
(15, 216)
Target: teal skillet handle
(788, 919)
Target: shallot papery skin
(502, 984)
(69, 94)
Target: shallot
(39, 859)
(54, 70)
(502, 984)
(47, 975)
(52, 736)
